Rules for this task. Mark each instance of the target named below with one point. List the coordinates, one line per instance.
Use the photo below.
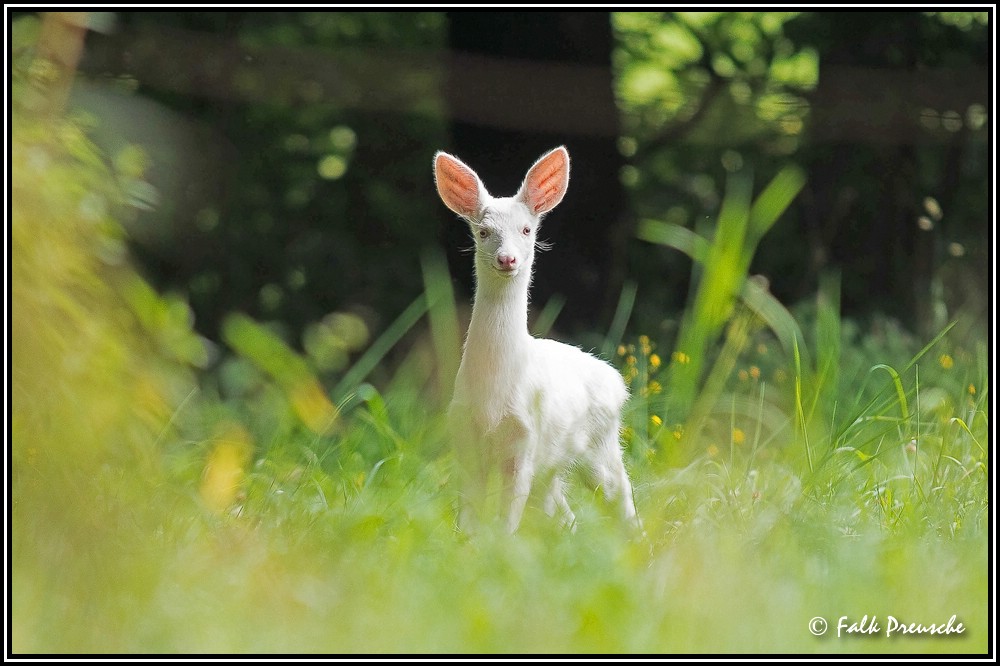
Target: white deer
(527, 407)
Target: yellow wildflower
(654, 361)
(738, 436)
(713, 450)
(972, 389)
(755, 372)
(630, 373)
(680, 357)
(657, 421)
(743, 375)
(644, 344)
(946, 361)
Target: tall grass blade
(546, 319)
(898, 383)
(675, 236)
(754, 295)
(374, 354)
(827, 376)
(965, 427)
(737, 335)
(724, 264)
(776, 316)
(773, 201)
(441, 312)
(868, 410)
(926, 348)
(798, 406)
(626, 300)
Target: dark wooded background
(292, 151)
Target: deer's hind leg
(608, 472)
(556, 504)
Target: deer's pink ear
(458, 186)
(546, 182)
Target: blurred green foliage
(87, 327)
(289, 187)
(673, 67)
(99, 363)
(298, 200)
(721, 278)
(277, 492)
(707, 94)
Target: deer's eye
(484, 234)
(526, 231)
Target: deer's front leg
(518, 470)
(522, 473)
(469, 447)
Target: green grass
(345, 541)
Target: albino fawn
(526, 407)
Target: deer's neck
(499, 324)
(496, 348)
